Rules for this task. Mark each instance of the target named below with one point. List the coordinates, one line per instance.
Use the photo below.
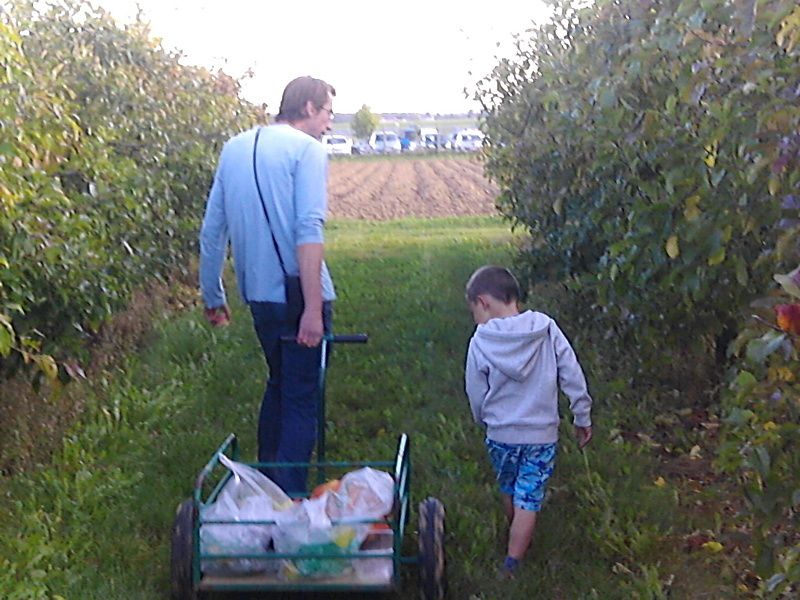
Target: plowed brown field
(407, 187)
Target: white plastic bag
(248, 495)
(376, 570)
(363, 494)
(306, 528)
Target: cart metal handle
(351, 338)
(232, 443)
(328, 338)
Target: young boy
(515, 364)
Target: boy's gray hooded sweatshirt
(515, 366)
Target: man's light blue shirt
(292, 173)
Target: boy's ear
(483, 301)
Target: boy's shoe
(508, 570)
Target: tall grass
(94, 523)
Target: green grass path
(95, 523)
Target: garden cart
(372, 566)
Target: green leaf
(759, 349)
(739, 417)
(607, 98)
(762, 461)
(716, 257)
(6, 335)
(788, 284)
(745, 380)
(741, 272)
(773, 582)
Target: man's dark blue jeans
(287, 424)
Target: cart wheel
(432, 563)
(181, 551)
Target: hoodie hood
(511, 344)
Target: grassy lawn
(95, 522)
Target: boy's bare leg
(521, 532)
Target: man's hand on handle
(310, 330)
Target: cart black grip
(350, 338)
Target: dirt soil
(392, 189)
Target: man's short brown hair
(498, 282)
(300, 91)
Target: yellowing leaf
(6, 340)
(711, 155)
(713, 547)
(660, 482)
(694, 453)
(673, 251)
(774, 185)
(727, 233)
(781, 374)
(692, 209)
(789, 32)
(48, 365)
(717, 257)
(769, 426)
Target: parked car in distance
(337, 144)
(429, 138)
(467, 140)
(361, 147)
(384, 141)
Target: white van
(384, 141)
(337, 144)
(429, 138)
(467, 140)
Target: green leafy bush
(108, 145)
(761, 445)
(640, 144)
(652, 150)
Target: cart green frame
(187, 560)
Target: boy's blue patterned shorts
(522, 471)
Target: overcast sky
(402, 56)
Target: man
(281, 229)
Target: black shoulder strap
(263, 204)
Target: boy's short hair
(496, 281)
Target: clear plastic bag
(363, 494)
(306, 528)
(376, 570)
(248, 495)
